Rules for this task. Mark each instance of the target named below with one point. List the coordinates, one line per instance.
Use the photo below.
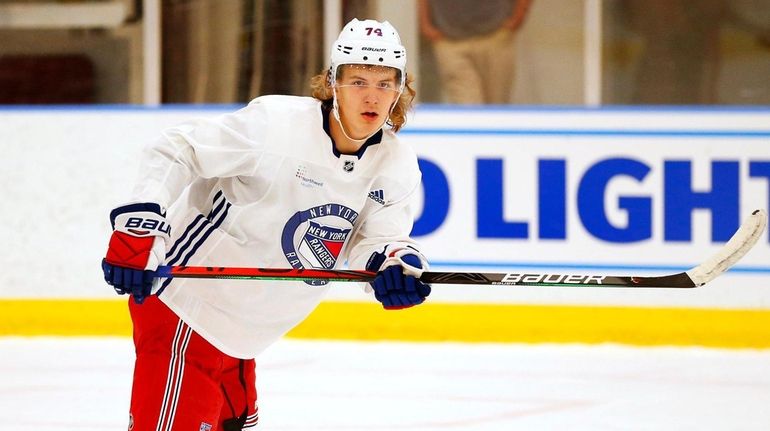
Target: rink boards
(606, 191)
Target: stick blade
(741, 242)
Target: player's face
(365, 95)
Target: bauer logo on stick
(515, 278)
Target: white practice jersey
(265, 187)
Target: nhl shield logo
(349, 165)
(321, 245)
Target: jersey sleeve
(226, 146)
(389, 224)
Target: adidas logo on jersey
(377, 196)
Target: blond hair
(322, 90)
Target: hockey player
(285, 182)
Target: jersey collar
(373, 140)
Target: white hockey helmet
(369, 42)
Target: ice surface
(69, 384)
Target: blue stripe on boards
(594, 132)
(644, 109)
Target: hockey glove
(397, 284)
(137, 247)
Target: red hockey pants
(181, 382)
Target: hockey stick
(741, 242)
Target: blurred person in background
(680, 59)
(286, 182)
(473, 43)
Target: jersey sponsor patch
(304, 176)
(314, 238)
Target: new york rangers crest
(314, 238)
(321, 244)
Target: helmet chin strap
(336, 111)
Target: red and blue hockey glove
(137, 247)
(397, 284)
